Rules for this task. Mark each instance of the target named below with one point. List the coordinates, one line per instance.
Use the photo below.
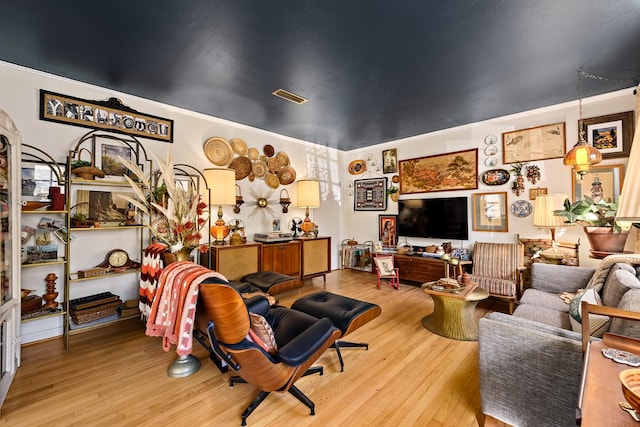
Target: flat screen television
(436, 218)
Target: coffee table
(454, 313)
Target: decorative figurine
(51, 294)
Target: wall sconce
(285, 201)
(308, 197)
(582, 156)
(239, 199)
(222, 185)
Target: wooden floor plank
(117, 376)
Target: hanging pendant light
(582, 156)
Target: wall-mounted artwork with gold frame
(490, 211)
(611, 134)
(602, 182)
(442, 172)
(535, 192)
(538, 143)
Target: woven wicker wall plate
(259, 169)
(239, 146)
(242, 166)
(283, 158)
(253, 153)
(218, 151)
(272, 180)
(287, 175)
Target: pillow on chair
(261, 328)
(598, 324)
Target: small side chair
(386, 271)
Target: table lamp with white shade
(222, 191)
(544, 206)
(308, 197)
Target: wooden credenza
(419, 269)
(234, 261)
(315, 256)
(283, 257)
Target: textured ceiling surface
(373, 71)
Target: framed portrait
(390, 161)
(388, 230)
(600, 183)
(370, 194)
(611, 134)
(276, 225)
(538, 143)
(490, 212)
(535, 192)
(107, 160)
(442, 172)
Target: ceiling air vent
(281, 93)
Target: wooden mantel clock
(118, 260)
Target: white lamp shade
(629, 204)
(543, 209)
(222, 185)
(308, 193)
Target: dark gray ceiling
(373, 70)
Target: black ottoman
(347, 314)
(271, 282)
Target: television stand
(423, 269)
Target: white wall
(555, 176)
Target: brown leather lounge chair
(299, 340)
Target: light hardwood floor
(116, 376)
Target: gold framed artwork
(442, 172)
(490, 212)
(535, 192)
(390, 161)
(111, 115)
(538, 143)
(602, 182)
(611, 134)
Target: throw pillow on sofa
(631, 328)
(621, 278)
(598, 324)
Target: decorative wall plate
(253, 153)
(268, 150)
(283, 158)
(490, 139)
(490, 162)
(357, 167)
(218, 151)
(242, 166)
(521, 208)
(495, 177)
(491, 150)
(287, 175)
(239, 146)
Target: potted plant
(392, 192)
(598, 221)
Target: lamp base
(184, 366)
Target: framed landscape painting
(442, 172)
(611, 134)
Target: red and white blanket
(173, 310)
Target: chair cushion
(619, 281)
(548, 316)
(496, 286)
(497, 260)
(263, 331)
(544, 299)
(598, 324)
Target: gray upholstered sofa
(531, 361)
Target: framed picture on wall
(538, 143)
(388, 230)
(390, 161)
(370, 194)
(611, 134)
(490, 212)
(600, 183)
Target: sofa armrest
(529, 372)
(559, 278)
